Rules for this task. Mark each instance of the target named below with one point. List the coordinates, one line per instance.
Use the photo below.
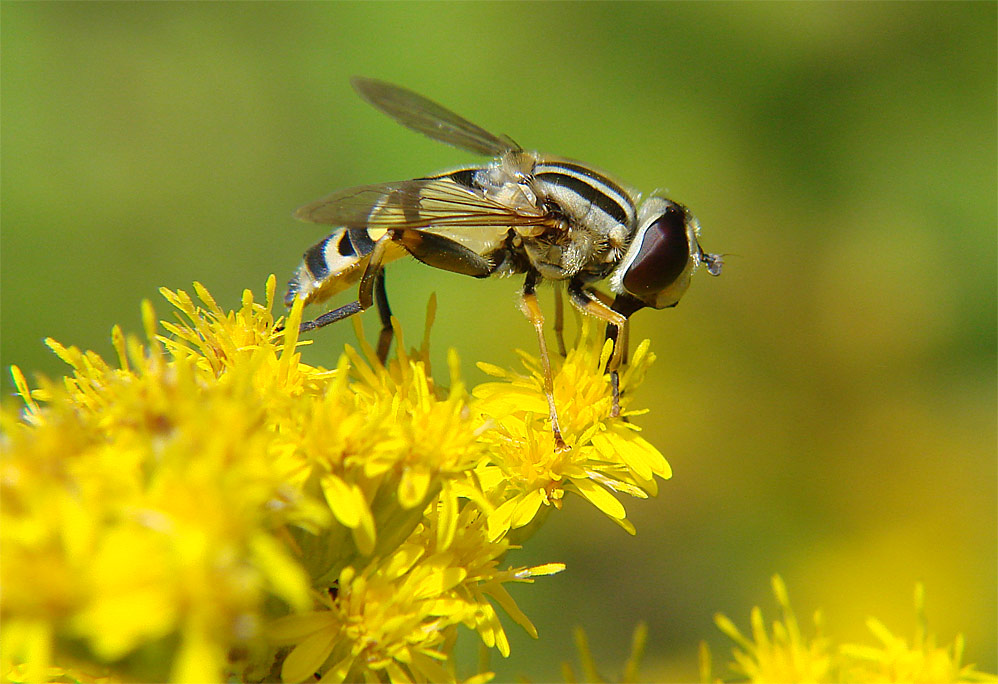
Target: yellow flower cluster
(214, 509)
(606, 455)
(787, 655)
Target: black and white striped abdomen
(330, 266)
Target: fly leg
(621, 337)
(588, 302)
(385, 313)
(333, 316)
(626, 306)
(532, 310)
(559, 320)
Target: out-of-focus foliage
(828, 405)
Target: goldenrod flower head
(786, 655)
(606, 453)
(895, 660)
(398, 616)
(141, 503)
(211, 507)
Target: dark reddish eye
(662, 255)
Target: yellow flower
(145, 503)
(398, 617)
(606, 456)
(786, 655)
(897, 661)
(159, 514)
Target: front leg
(588, 302)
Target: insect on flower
(523, 213)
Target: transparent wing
(418, 204)
(427, 117)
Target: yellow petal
(436, 583)
(308, 656)
(346, 501)
(402, 560)
(546, 569)
(364, 535)
(430, 669)
(602, 499)
(287, 578)
(413, 487)
(654, 457)
(502, 597)
(338, 672)
(396, 675)
(294, 628)
(117, 623)
(526, 509)
(499, 519)
(447, 518)
(619, 450)
(198, 660)
(490, 369)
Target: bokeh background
(828, 404)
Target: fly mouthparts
(714, 262)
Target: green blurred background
(828, 404)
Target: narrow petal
(503, 598)
(602, 499)
(287, 578)
(346, 501)
(526, 509)
(308, 656)
(413, 487)
(499, 519)
(294, 628)
(614, 448)
(199, 659)
(437, 582)
(447, 520)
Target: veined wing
(427, 117)
(423, 204)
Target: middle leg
(559, 319)
(532, 310)
(589, 302)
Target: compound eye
(662, 255)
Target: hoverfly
(523, 213)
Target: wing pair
(437, 202)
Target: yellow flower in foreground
(212, 508)
(142, 504)
(398, 617)
(786, 655)
(606, 454)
